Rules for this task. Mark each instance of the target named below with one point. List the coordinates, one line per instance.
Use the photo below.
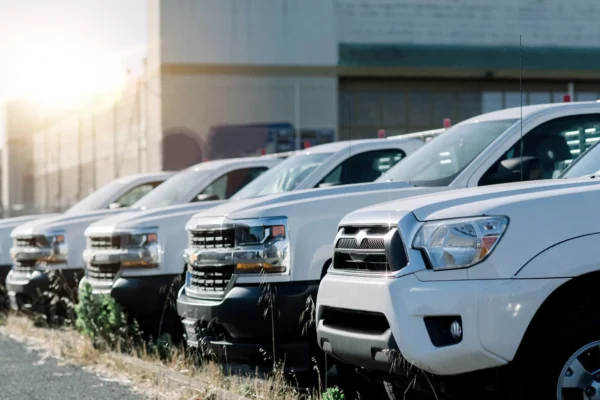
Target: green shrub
(333, 393)
(100, 317)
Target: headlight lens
(459, 243)
(58, 243)
(138, 239)
(147, 246)
(267, 244)
(248, 235)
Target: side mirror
(510, 170)
(329, 184)
(207, 197)
(114, 206)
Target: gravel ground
(27, 374)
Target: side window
(546, 150)
(135, 194)
(227, 185)
(364, 167)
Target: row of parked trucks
(450, 254)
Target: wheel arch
(576, 293)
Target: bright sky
(60, 50)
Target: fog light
(444, 330)
(456, 330)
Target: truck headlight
(262, 246)
(57, 243)
(459, 243)
(145, 242)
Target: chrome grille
(105, 242)
(25, 242)
(210, 279)
(103, 272)
(218, 238)
(363, 248)
(23, 268)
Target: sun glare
(61, 77)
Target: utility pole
(571, 89)
(297, 113)
(79, 157)
(59, 170)
(94, 161)
(146, 115)
(47, 151)
(116, 139)
(138, 110)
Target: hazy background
(111, 27)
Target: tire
(544, 364)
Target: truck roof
(515, 112)
(146, 176)
(216, 164)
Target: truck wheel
(566, 365)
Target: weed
(333, 394)
(101, 318)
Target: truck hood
(249, 208)
(148, 218)
(61, 222)
(15, 221)
(479, 201)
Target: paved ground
(25, 374)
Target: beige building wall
(21, 119)
(242, 62)
(88, 149)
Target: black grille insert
(212, 238)
(103, 272)
(372, 230)
(355, 321)
(105, 242)
(25, 242)
(376, 262)
(24, 268)
(210, 279)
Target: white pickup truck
(484, 288)
(142, 282)
(24, 249)
(7, 225)
(57, 243)
(242, 251)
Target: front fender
(567, 259)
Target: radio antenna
(521, 96)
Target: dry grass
(176, 377)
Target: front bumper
(28, 289)
(4, 270)
(147, 299)
(494, 314)
(240, 327)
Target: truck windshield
(443, 158)
(284, 177)
(175, 190)
(585, 165)
(99, 198)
